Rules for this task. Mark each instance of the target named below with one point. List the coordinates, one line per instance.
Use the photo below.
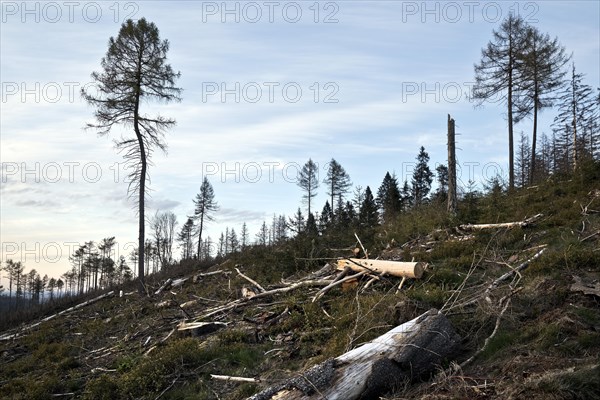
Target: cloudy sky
(267, 85)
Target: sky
(266, 86)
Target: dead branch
(361, 245)
(235, 303)
(517, 269)
(590, 236)
(9, 336)
(580, 286)
(234, 378)
(164, 286)
(487, 340)
(178, 282)
(252, 281)
(321, 292)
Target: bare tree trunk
(451, 166)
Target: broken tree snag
(409, 352)
(164, 286)
(522, 224)
(395, 268)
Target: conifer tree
(422, 178)
(388, 198)
(541, 74)
(337, 181)
(368, 214)
(205, 206)
(496, 75)
(134, 72)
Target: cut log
(404, 354)
(395, 268)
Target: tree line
(362, 213)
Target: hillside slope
(539, 329)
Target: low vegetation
(544, 345)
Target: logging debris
(402, 355)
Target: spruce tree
(368, 214)
(422, 178)
(204, 206)
(388, 198)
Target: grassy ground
(546, 345)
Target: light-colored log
(234, 378)
(522, 224)
(395, 268)
(163, 286)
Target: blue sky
(364, 82)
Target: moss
(102, 388)
(501, 341)
(581, 384)
(431, 295)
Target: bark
(407, 353)
(452, 197)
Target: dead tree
(451, 166)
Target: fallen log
(522, 224)
(409, 352)
(395, 268)
(243, 300)
(164, 286)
